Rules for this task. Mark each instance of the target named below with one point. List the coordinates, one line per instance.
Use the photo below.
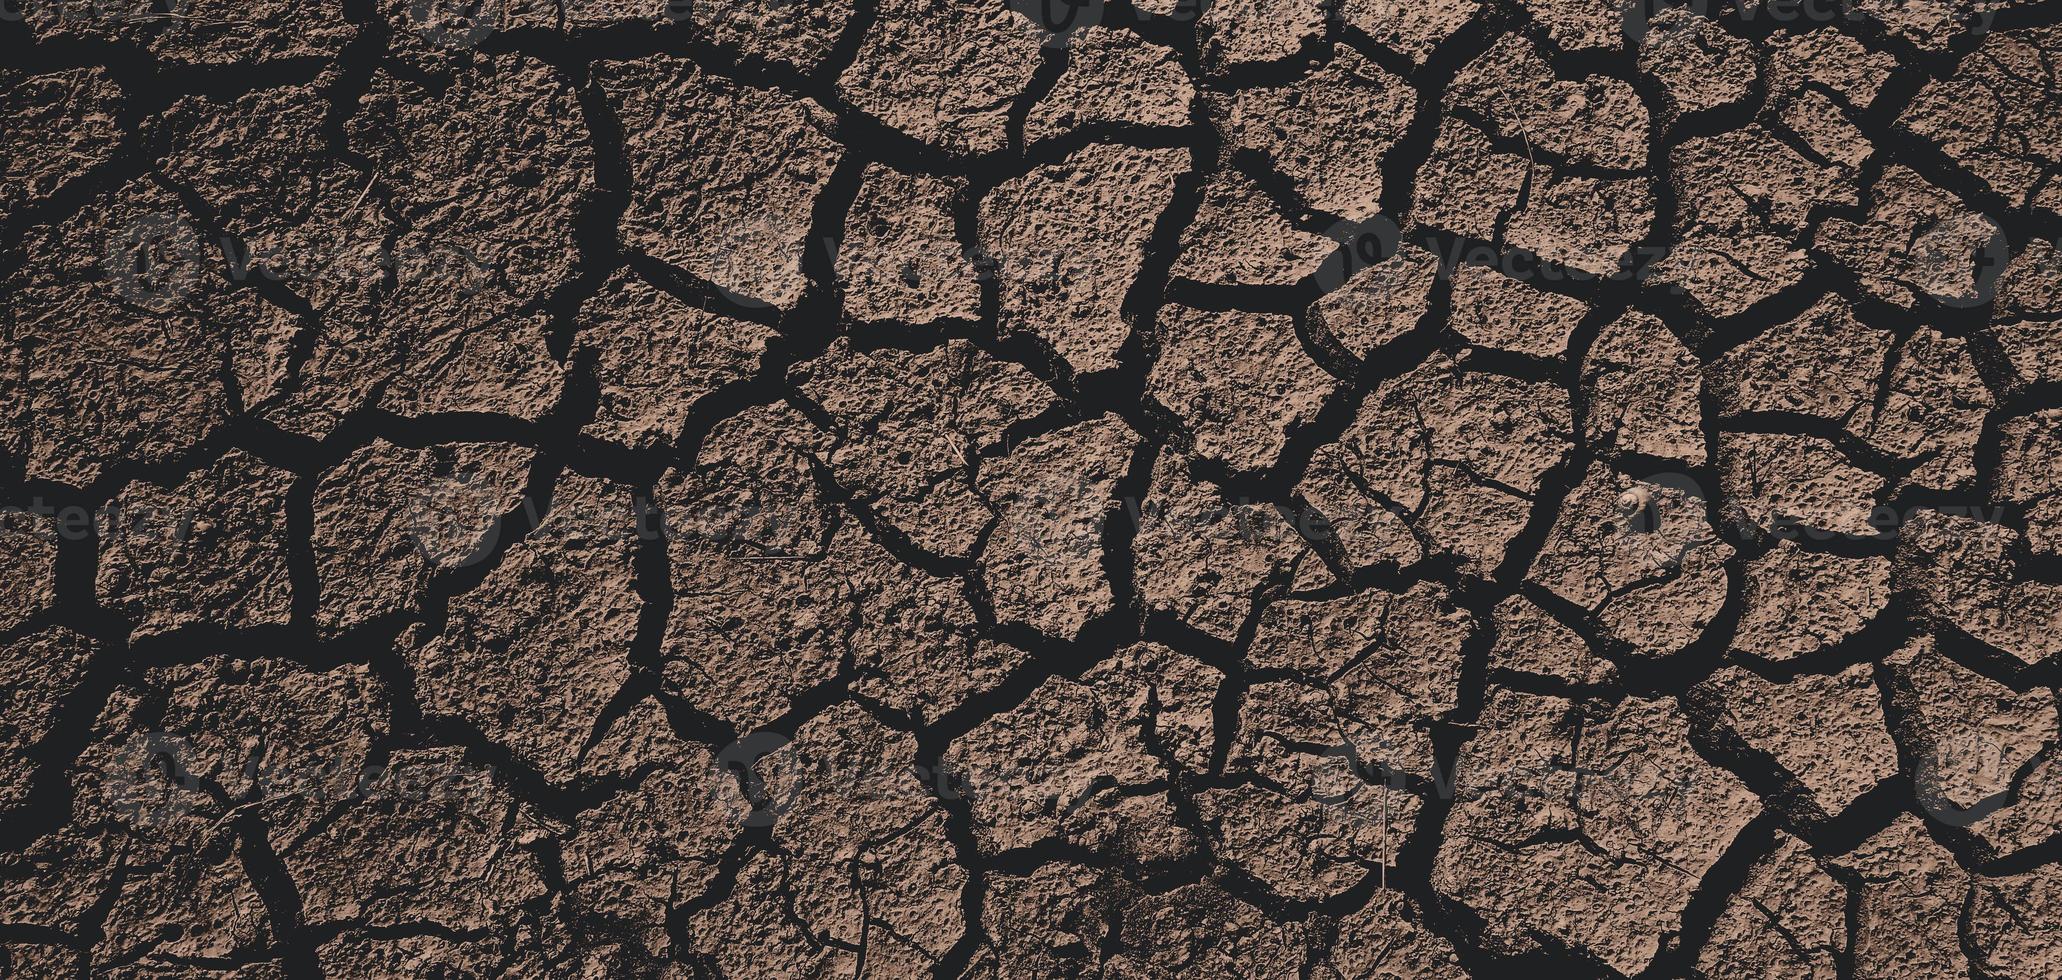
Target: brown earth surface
(1196, 489)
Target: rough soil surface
(1358, 489)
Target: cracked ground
(966, 488)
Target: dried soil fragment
(59, 127)
(1341, 484)
(1916, 247)
(872, 866)
(1335, 758)
(211, 33)
(1583, 26)
(1052, 497)
(1831, 61)
(658, 355)
(632, 858)
(1965, 572)
(724, 177)
(1998, 116)
(901, 259)
(1822, 364)
(1239, 33)
(1698, 64)
(1529, 640)
(2029, 300)
(486, 176)
(292, 743)
(974, 61)
(1557, 158)
(910, 425)
(533, 654)
(1849, 750)
(2030, 472)
(1328, 131)
(1412, 28)
(1639, 556)
(1466, 186)
(1642, 385)
(1789, 919)
(1912, 895)
(799, 33)
(1929, 411)
(1587, 224)
(211, 550)
(752, 930)
(1388, 936)
(1203, 930)
(111, 349)
(1069, 239)
(1240, 237)
(1592, 830)
(1510, 92)
(1372, 672)
(760, 612)
(1049, 922)
(1495, 311)
(1986, 754)
(1459, 454)
(1204, 558)
(1083, 761)
(363, 955)
(28, 560)
(47, 667)
(1783, 483)
(502, 367)
(1113, 78)
(278, 187)
(390, 517)
(916, 643)
(432, 840)
(2013, 927)
(1306, 843)
(1934, 27)
(1381, 302)
(1240, 382)
(1745, 201)
(197, 902)
(1797, 602)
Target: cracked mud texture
(1409, 489)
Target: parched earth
(1120, 488)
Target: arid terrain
(1030, 488)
